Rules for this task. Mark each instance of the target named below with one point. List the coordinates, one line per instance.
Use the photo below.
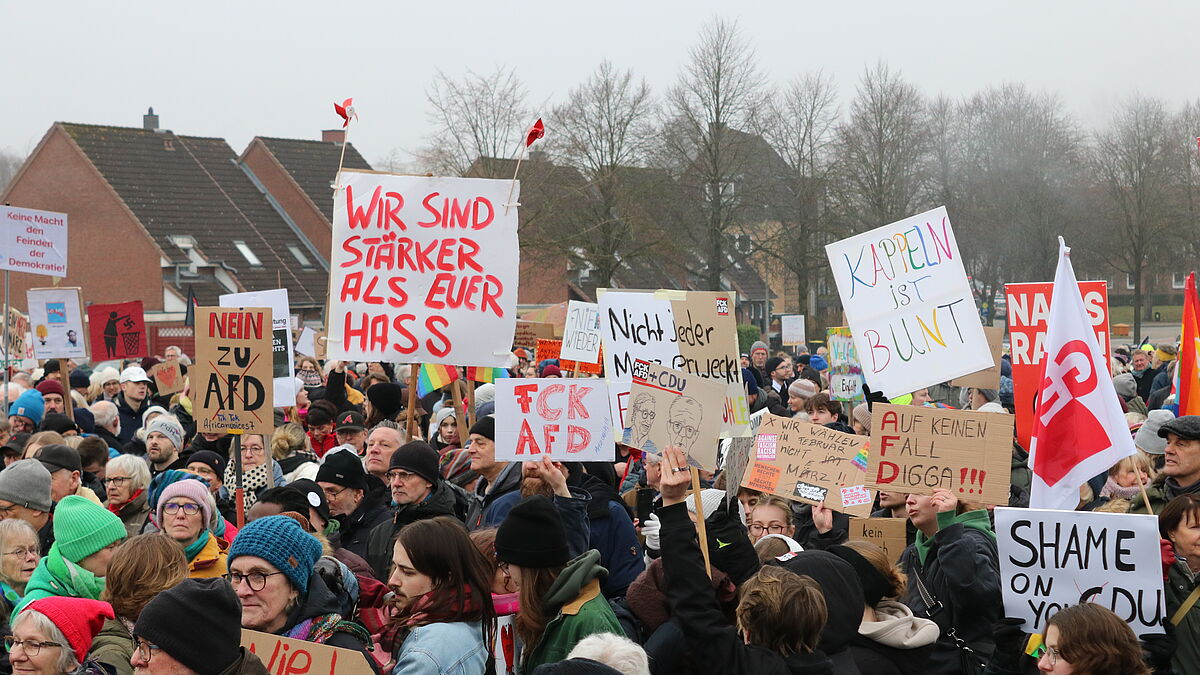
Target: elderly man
(358, 511)
(66, 472)
(350, 429)
(25, 495)
(108, 423)
(25, 413)
(496, 478)
(385, 438)
(418, 492)
(132, 402)
(1180, 474)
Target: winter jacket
(960, 568)
(571, 510)
(113, 646)
(611, 532)
(807, 534)
(246, 664)
(896, 643)
(1178, 586)
(210, 561)
(131, 419)
(443, 649)
(55, 576)
(577, 610)
(843, 592)
(380, 541)
(1145, 381)
(713, 640)
(320, 603)
(134, 514)
(1160, 491)
(355, 529)
(479, 514)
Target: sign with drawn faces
(673, 408)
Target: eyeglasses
(171, 508)
(647, 415)
(684, 430)
(117, 480)
(31, 647)
(332, 494)
(257, 580)
(757, 529)
(1045, 650)
(397, 474)
(25, 552)
(146, 649)
(9, 509)
(252, 449)
(503, 566)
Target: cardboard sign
(674, 408)
(791, 329)
(916, 450)
(1053, 559)
(812, 464)
(736, 454)
(15, 345)
(117, 331)
(168, 377)
(551, 349)
(33, 242)
(286, 655)
(423, 270)
(888, 534)
(283, 367)
(907, 299)
(706, 337)
(56, 315)
(989, 378)
(231, 379)
(529, 332)
(581, 335)
(320, 341)
(1028, 308)
(306, 343)
(845, 372)
(568, 420)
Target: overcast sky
(240, 69)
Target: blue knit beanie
(282, 542)
(29, 404)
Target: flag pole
(238, 492)
(513, 185)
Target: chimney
(333, 136)
(150, 120)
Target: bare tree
(10, 163)
(1136, 166)
(604, 130)
(717, 96)
(472, 117)
(880, 150)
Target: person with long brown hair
(1087, 639)
(443, 583)
(140, 569)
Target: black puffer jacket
(354, 529)
(843, 602)
(320, 601)
(383, 536)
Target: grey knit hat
(26, 483)
(167, 426)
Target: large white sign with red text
(424, 270)
(566, 420)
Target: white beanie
(710, 500)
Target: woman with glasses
(1087, 639)
(52, 636)
(126, 479)
(185, 509)
(771, 515)
(271, 569)
(18, 559)
(443, 586)
(259, 470)
(141, 568)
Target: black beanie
(343, 468)
(575, 666)
(486, 427)
(198, 622)
(771, 365)
(532, 535)
(418, 457)
(387, 397)
(875, 586)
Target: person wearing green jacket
(560, 599)
(85, 535)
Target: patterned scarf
(320, 628)
(436, 606)
(254, 480)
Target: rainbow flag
(432, 377)
(860, 460)
(481, 374)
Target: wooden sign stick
(470, 412)
(409, 427)
(459, 417)
(575, 372)
(701, 531)
(238, 492)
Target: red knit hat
(79, 619)
(51, 387)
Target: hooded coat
(896, 643)
(960, 567)
(577, 609)
(843, 601)
(354, 529)
(321, 602)
(440, 502)
(480, 512)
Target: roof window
(247, 254)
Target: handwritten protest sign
(812, 464)
(791, 328)
(917, 450)
(34, 242)
(56, 315)
(231, 378)
(1050, 560)
(706, 336)
(634, 325)
(988, 378)
(15, 345)
(889, 534)
(845, 372)
(568, 420)
(423, 270)
(283, 367)
(168, 377)
(907, 300)
(673, 408)
(551, 349)
(117, 331)
(581, 335)
(306, 343)
(529, 332)
(283, 655)
(1028, 309)
(736, 454)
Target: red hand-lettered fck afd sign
(423, 270)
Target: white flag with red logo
(1079, 430)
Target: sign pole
(410, 425)
(701, 530)
(470, 410)
(7, 347)
(459, 412)
(238, 493)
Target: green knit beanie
(82, 527)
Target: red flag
(1079, 430)
(1189, 351)
(538, 130)
(346, 111)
